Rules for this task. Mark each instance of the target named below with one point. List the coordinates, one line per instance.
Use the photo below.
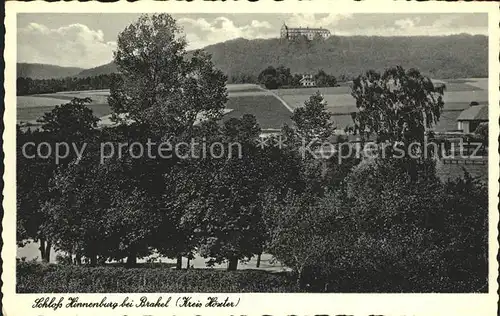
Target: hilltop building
(470, 118)
(310, 33)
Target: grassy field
(32, 114)
(248, 87)
(252, 99)
(268, 110)
(447, 122)
(309, 91)
(457, 97)
(243, 99)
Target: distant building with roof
(470, 118)
(309, 33)
(307, 81)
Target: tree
(32, 190)
(165, 91)
(71, 121)
(161, 87)
(309, 234)
(295, 81)
(269, 78)
(396, 105)
(284, 76)
(274, 78)
(225, 210)
(75, 213)
(111, 210)
(405, 226)
(482, 133)
(313, 121)
(466, 209)
(323, 79)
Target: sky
(88, 40)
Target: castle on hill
(309, 33)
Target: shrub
(387, 231)
(52, 278)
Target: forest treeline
(27, 86)
(281, 77)
(440, 57)
(270, 77)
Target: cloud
(315, 20)
(73, 45)
(202, 32)
(411, 25)
(406, 23)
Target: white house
(307, 81)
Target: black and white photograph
(306, 153)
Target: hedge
(35, 277)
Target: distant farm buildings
(307, 81)
(471, 117)
(309, 33)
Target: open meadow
(458, 95)
(243, 99)
(271, 114)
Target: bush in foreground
(34, 277)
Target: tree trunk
(93, 260)
(188, 263)
(178, 264)
(131, 259)
(258, 260)
(48, 246)
(78, 259)
(42, 249)
(299, 278)
(233, 264)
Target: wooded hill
(457, 56)
(45, 71)
(438, 57)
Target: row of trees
(27, 86)
(381, 224)
(274, 78)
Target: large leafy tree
(75, 211)
(225, 210)
(397, 105)
(312, 128)
(313, 121)
(161, 86)
(109, 210)
(72, 123)
(32, 184)
(298, 232)
(166, 92)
